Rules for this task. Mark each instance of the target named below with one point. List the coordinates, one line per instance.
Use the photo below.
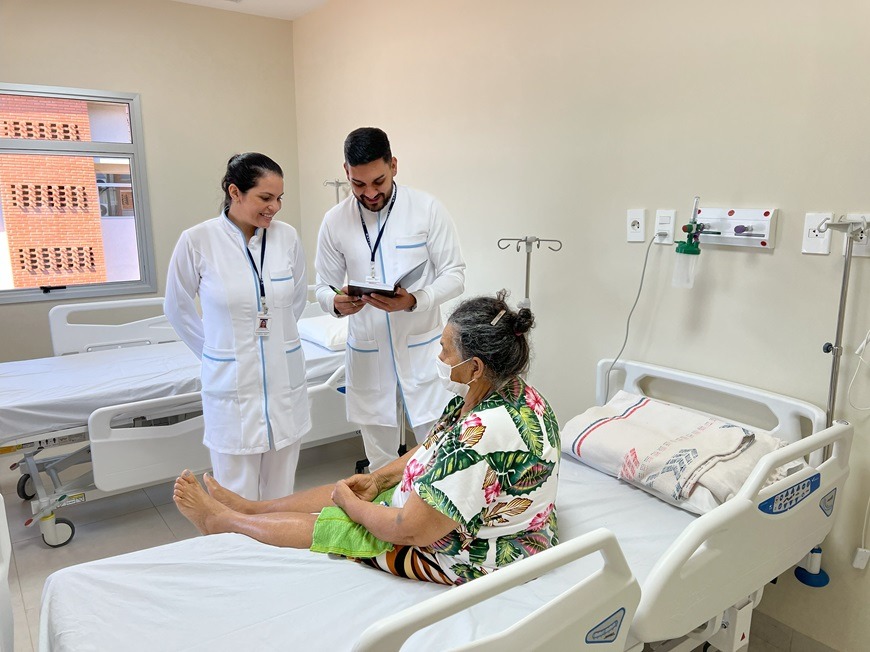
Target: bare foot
(197, 506)
(229, 498)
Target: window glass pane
(66, 220)
(35, 117)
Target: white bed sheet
(50, 394)
(228, 592)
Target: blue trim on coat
(210, 357)
(437, 337)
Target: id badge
(261, 328)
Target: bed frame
(136, 444)
(702, 589)
(6, 618)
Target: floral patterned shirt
(493, 471)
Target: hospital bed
(631, 569)
(126, 395)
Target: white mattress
(228, 592)
(49, 394)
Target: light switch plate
(665, 220)
(635, 224)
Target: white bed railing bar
(6, 617)
(749, 545)
(125, 457)
(566, 622)
(788, 411)
(68, 337)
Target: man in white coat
(379, 234)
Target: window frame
(134, 151)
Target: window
(74, 218)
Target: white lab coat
(253, 388)
(383, 347)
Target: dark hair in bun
(487, 328)
(244, 171)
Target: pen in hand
(335, 289)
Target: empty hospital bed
(126, 395)
(631, 569)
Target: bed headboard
(69, 337)
(787, 412)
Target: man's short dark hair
(365, 145)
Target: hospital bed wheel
(60, 522)
(25, 488)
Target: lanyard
(374, 249)
(258, 271)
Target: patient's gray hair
(499, 340)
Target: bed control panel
(789, 498)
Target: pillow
(325, 331)
(686, 458)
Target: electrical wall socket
(665, 223)
(861, 247)
(815, 242)
(635, 224)
(862, 556)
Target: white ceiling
(283, 9)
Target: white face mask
(444, 370)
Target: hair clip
(496, 318)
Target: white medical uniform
(254, 397)
(397, 349)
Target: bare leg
(289, 530)
(311, 500)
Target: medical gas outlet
(738, 227)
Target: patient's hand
(343, 495)
(364, 485)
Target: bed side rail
(6, 618)
(596, 611)
(140, 443)
(787, 410)
(734, 550)
(69, 337)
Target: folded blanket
(665, 449)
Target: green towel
(335, 533)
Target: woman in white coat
(249, 272)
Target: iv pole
(810, 571)
(854, 229)
(530, 241)
(337, 184)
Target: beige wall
(554, 118)
(212, 83)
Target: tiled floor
(118, 524)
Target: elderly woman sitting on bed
(476, 495)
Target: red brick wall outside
(51, 206)
(44, 118)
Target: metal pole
(528, 268)
(837, 350)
